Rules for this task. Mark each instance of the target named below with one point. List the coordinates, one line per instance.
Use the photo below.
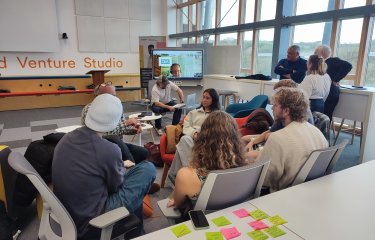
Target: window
(354, 3)
(247, 50)
(229, 13)
(183, 19)
(207, 14)
(249, 12)
(308, 37)
(268, 9)
(308, 6)
(228, 39)
(193, 19)
(370, 74)
(350, 36)
(264, 53)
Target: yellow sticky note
(221, 221)
(257, 235)
(276, 220)
(275, 231)
(258, 214)
(214, 236)
(180, 230)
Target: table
(239, 223)
(337, 206)
(147, 120)
(67, 129)
(144, 126)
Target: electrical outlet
(177, 82)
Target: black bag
(66, 88)
(154, 154)
(5, 224)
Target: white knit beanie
(104, 113)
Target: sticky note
(258, 214)
(180, 230)
(214, 236)
(230, 233)
(257, 235)
(258, 225)
(241, 213)
(274, 231)
(221, 221)
(276, 220)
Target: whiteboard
(116, 8)
(116, 35)
(224, 60)
(28, 26)
(89, 7)
(91, 37)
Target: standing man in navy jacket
(293, 67)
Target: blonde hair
(218, 145)
(285, 83)
(317, 65)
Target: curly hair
(285, 83)
(295, 100)
(218, 145)
(318, 65)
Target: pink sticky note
(241, 213)
(258, 225)
(230, 233)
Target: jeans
(317, 105)
(158, 110)
(137, 182)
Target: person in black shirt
(293, 67)
(337, 70)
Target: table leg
(140, 139)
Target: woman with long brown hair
(217, 146)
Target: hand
(195, 135)
(171, 109)
(138, 127)
(170, 203)
(132, 121)
(128, 164)
(249, 146)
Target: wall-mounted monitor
(189, 60)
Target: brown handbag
(154, 154)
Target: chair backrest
(221, 190)
(53, 210)
(319, 163)
(150, 85)
(259, 101)
(190, 100)
(322, 122)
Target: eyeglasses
(109, 83)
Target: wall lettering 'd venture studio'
(50, 63)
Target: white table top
(67, 129)
(240, 223)
(337, 206)
(147, 118)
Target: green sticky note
(276, 220)
(257, 235)
(258, 214)
(221, 221)
(274, 231)
(214, 236)
(180, 230)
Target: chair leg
(338, 132)
(165, 173)
(360, 136)
(353, 132)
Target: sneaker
(160, 131)
(155, 187)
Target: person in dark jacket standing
(293, 67)
(337, 69)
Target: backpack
(154, 154)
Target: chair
(353, 132)
(319, 163)
(250, 125)
(322, 122)
(166, 157)
(239, 110)
(221, 189)
(56, 222)
(190, 103)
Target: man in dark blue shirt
(293, 67)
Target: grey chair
(56, 223)
(190, 103)
(319, 163)
(225, 188)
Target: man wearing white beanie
(88, 172)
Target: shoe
(155, 187)
(160, 131)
